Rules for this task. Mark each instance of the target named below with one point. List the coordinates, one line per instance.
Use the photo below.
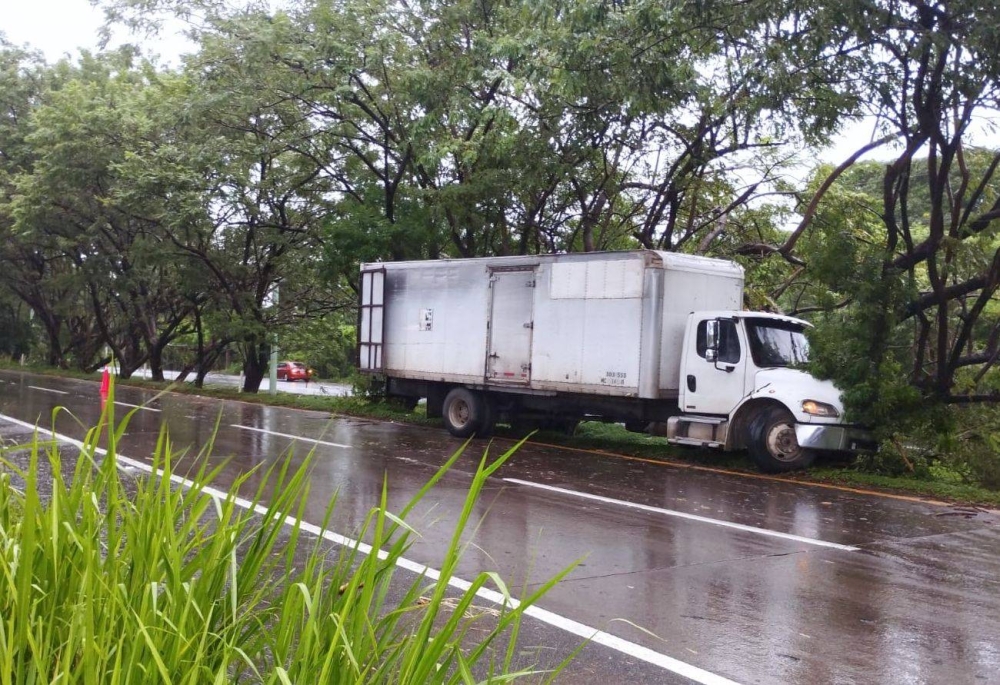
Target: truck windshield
(777, 343)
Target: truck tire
(567, 427)
(489, 422)
(637, 426)
(773, 445)
(464, 412)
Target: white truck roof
(671, 260)
(747, 314)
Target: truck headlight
(815, 408)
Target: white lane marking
(137, 406)
(60, 392)
(586, 632)
(690, 517)
(287, 435)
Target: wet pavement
(754, 580)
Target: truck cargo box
(609, 323)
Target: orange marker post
(105, 383)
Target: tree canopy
(229, 200)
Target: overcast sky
(55, 27)
(63, 27)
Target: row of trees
(140, 209)
(233, 197)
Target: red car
(294, 371)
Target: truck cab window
(777, 343)
(729, 341)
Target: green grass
(944, 485)
(140, 581)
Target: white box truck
(644, 338)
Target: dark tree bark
(255, 363)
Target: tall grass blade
(135, 579)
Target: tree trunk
(200, 360)
(255, 359)
(156, 362)
(207, 358)
(184, 373)
(53, 328)
(125, 370)
(55, 349)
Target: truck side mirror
(712, 340)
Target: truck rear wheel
(465, 413)
(489, 421)
(637, 426)
(773, 444)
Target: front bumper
(834, 438)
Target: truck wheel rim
(782, 442)
(458, 413)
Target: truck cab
(743, 386)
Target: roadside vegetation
(116, 578)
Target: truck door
(512, 296)
(713, 387)
(371, 320)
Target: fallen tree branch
(807, 216)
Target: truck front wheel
(773, 445)
(465, 413)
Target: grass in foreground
(109, 581)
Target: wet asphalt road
(748, 579)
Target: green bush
(114, 581)
(893, 459)
(368, 387)
(959, 444)
(973, 447)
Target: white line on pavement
(586, 632)
(690, 517)
(287, 435)
(60, 392)
(137, 406)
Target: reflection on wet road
(751, 580)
